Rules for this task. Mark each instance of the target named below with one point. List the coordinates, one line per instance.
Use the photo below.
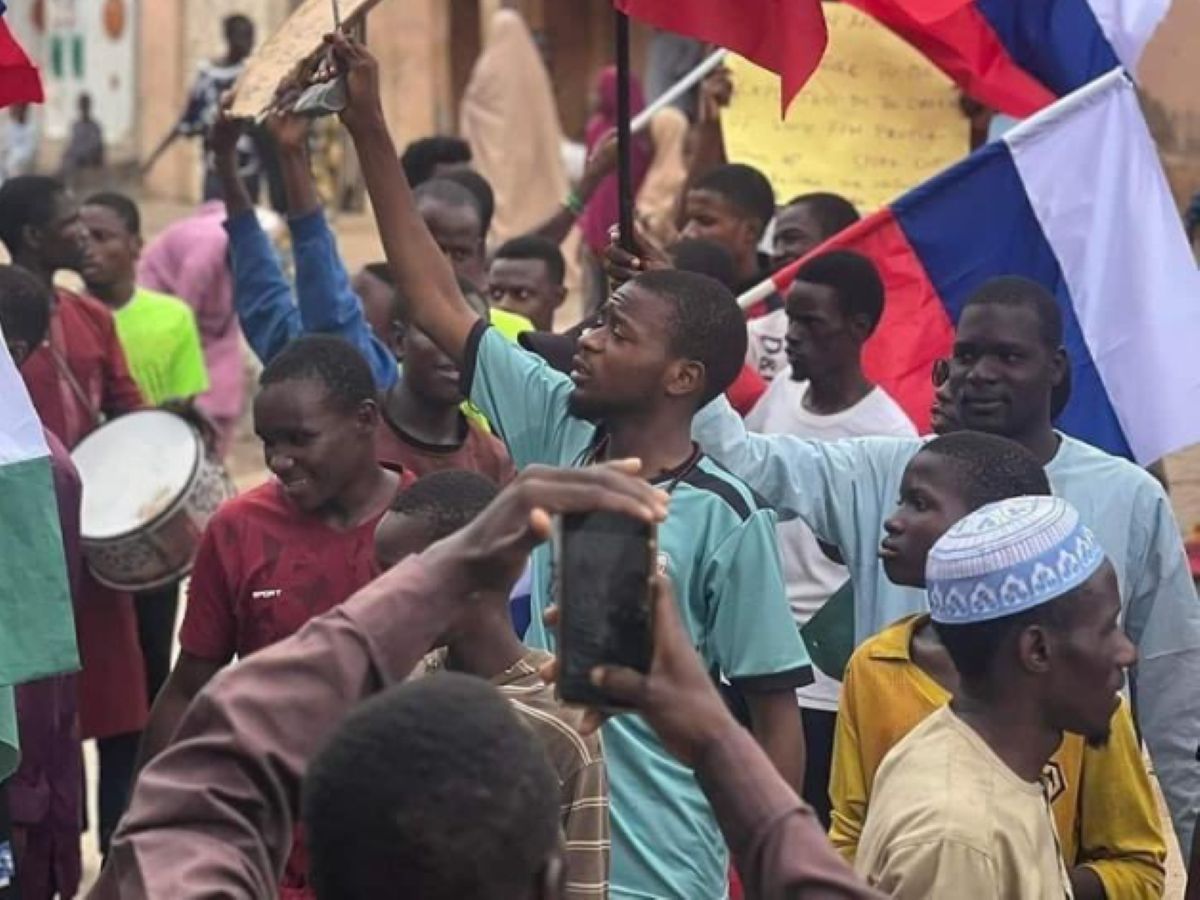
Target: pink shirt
(189, 261)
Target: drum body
(148, 491)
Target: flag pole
(624, 136)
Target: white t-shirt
(810, 575)
(766, 353)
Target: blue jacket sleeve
(261, 294)
(327, 303)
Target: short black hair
(481, 190)
(237, 20)
(432, 789)
(26, 200)
(853, 277)
(334, 362)
(447, 501)
(126, 210)
(707, 324)
(1015, 291)
(744, 186)
(832, 212)
(381, 271)
(24, 306)
(973, 647)
(989, 468)
(530, 246)
(705, 258)
(451, 193)
(421, 158)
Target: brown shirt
(477, 451)
(578, 761)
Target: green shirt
(162, 346)
(718, 545)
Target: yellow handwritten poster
(875, 120)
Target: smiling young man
(1027, 607)
(1103, 804)
(832, 308)
(662, 345)
(294, 547)
(1007, 366)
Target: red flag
(19, 78)
(785, 36)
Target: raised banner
(875, 120)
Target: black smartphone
(602, 565)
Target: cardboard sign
(296, 42)
(875, 120)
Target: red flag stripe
(785, 36)
(20, 81)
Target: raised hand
(620, 265)
(361, 71)
(225, 132)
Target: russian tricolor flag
(1074, 198)
(1017, 56)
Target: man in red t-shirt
(77, 378)
(294, 547)
(424, 428)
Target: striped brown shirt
(578, 762)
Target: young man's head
(664, 339)
(315, 414)
(1008, 358)
(115, 234)
(731, 205)
(429, 157)
(434, 507)
(480, 189)
(705, 258)
(40, 225)
(433, 789)
(24, 311)
(1028, 607)
(806, 222)
(950, 477)
(239, 38)
(526, 278)
(430, 376)
(453, 217)
(832, 308)
(375, 287)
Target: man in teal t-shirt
(664, 344)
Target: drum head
(133, 470)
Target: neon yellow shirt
(162, 346)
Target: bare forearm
(777, 727)
(298, 182)
(424, 278)
(1086, 884)
(165, 716)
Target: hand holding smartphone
(603, 563)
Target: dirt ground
(359, 245)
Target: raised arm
(424, 278)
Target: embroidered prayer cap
(1008, 557)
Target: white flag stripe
(1114, 229)
(21, 435)
(1129, 25)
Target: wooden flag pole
(624, 137)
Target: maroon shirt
(477, 451)
(83, 339)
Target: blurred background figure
(20, 143)
(84, 153)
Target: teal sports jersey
(718, 546)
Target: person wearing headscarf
(666, 176)
(509, 118)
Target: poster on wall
(89, 47)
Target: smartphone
(602, 566)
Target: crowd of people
(885, 663)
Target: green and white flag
(37, 628)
